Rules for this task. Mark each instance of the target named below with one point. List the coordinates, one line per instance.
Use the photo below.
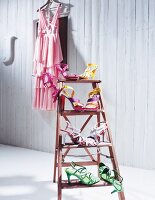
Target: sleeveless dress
(47, 54)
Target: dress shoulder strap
(56, 15)
(42, 21)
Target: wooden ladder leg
(57, 136)
(114, 161)
(60, 169)
(56, 150)
(121, 196)
(59, 147)
(112, 152)
(55, 163)
(98, 150)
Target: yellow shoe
(89, 72)
(76, 104)
(93, 100)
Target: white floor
(27, 175)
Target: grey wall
(118, 35)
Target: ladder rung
(71, 145)
(74, 112)
(76, 184)
(79, 81)
(83, 163)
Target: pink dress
(47, 54)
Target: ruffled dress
(47, 54)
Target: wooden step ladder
(61, 150)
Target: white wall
(118, 35)
(20, 125)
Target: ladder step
(74, 112)
(71, 145)
(76, 184)
(83, 163)
(79, 81)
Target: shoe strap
(113, 174)
(102, 127)
(62, 67)
(93, 104)
(94, 98)
(55, 94)
(74, 130)
(87, 174)
(81, 169)
(74, 134)
(95, 91)
(87, 141)
(92, 65)
(77, 104)
(117, 175)
(65, 91)
(116, 189)
(73, 164)
(104, 169)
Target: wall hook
(9, 50)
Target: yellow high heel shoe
(93, 100)
(89, 72)
(76, 104)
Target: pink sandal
(88, 141)
(73, 133)
(48, 82)
(76, 137)
(98, 131)
(63, 69)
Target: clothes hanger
(47, 3)
(50, 2)
(65, 8)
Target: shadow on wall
(75, 58)
(26, 188)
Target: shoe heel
(68, 176)
(93, 74)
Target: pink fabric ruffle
(47, 54)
